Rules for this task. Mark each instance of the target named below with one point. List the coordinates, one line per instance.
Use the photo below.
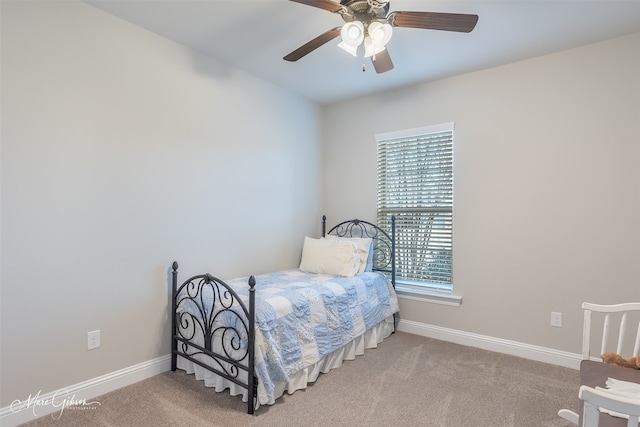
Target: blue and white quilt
(302, 317)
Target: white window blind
(415, 183)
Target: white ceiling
(254, 35)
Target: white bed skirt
(299, 380)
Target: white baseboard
(36, 405)
(514, 348)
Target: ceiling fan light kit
(368, 24)
(374, 38)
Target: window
(415, 183)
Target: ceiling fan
(368, 24)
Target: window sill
(427, 295)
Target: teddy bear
(616, 359)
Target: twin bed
(267, 334)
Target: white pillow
(325, 256)
(363, 244)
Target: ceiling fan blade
(313, 44)
(329, 5)
(382, 61)
(459, 22)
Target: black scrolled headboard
(384, 245)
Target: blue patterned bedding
(302, 317)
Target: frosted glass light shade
(353, 50)
(380, 33)
(352, 33)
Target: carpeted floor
(407, 381)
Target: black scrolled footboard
(384, 245)
(212, 327)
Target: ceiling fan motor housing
(365, 11)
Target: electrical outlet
(556, 319)
(93, 339)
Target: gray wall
(121, 152)
(546, 186)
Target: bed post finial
(324, 225)
(175, 265)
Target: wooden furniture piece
(620, 333)
(594, 399)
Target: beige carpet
(407, 381)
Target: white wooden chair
(595, 399)
(621, 343)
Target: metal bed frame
(222, 347)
